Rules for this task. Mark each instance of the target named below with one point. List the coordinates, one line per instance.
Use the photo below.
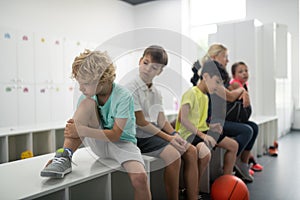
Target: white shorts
(121, 151)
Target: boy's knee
(171, 152)
(203, 151)
(234, 146)
(171, 156)
(191, 152)
(139, 180)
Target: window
(216, 11)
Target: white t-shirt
(147, 100)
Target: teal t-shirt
(119, 105)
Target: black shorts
(149, 144)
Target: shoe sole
(244, 178)
(256, 170)
(53, 174)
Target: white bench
(268, 133)
(90, 179)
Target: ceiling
(136, 2)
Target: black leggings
(244, 133)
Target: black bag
(237, 113)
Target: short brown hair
(157, 53)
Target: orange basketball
(229, 187)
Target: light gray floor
(280, 178)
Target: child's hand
(216, 127)
(179, 143)
(70, 130)
(209, 141)
(246, 99)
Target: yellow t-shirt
(198, 102)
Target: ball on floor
(229, 187)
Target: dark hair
(195, 69)
(157, 53)
(213, 68)
(235, 65)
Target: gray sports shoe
(243, 170)
(59, 166)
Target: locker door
(60, 103)
(26, 88)
(8, 59)
(26, 104)
(25, 57)
(56, 61)
(42, 104)
(8, 105)
(42, 58)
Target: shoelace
(59, 160)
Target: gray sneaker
(59, 166)
(243, 170)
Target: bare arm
(245, 95)
(164, 124)
(183, 117)
(233, 95)
(148, 127)
(175, 140)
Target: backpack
(237, 113)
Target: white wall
(165, 15)
(283, 12)
(87, 20)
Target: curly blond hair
(93, 66)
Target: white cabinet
(40, 140)
(9, 105)
(35, 79)
(8, 56)
(17, 78)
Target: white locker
(61, 103)
(43, 103)
(8, 105)
(8, 56)
(25, 80)
(42, 59)
(56, 60)
(25, 57)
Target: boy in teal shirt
(107, 105)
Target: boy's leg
(158, 147)
(231, 147)
(61, 165)
(190, 172)
(138, 178)
(172, 161)
(129, 156)
(204, 157)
